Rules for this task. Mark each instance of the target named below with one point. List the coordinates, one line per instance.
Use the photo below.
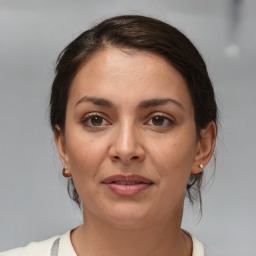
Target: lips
(127, 185)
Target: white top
(62, 246)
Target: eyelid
(166, 116)
(86, 117)
(163, 114)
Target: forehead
(129, 75)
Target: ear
(61, 145)
(205, 147)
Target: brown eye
(96, 120)
(158, 120)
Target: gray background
(33, 200)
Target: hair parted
(143, 34)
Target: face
(130, 138)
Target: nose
(127, 145)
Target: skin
(156, 141)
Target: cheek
(174, 158)
(85, 154)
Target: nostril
(132, 158)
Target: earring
(66, 172)
(201, 166)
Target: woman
(134, 118)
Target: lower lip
(128, 190)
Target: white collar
(66, 248)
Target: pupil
(96, 120)
(158, 120)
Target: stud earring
(201, 166)
(66, 172)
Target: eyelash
(165, 118)
(88, 118)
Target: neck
(164, 238)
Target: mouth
(127, 185)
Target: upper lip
(128, 178)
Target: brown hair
(146, 34)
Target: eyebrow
(159, 102)
(142, 105)
(96, 101)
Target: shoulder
(199, 249)
(42, 248)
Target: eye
(94, 120)
(160, 120)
